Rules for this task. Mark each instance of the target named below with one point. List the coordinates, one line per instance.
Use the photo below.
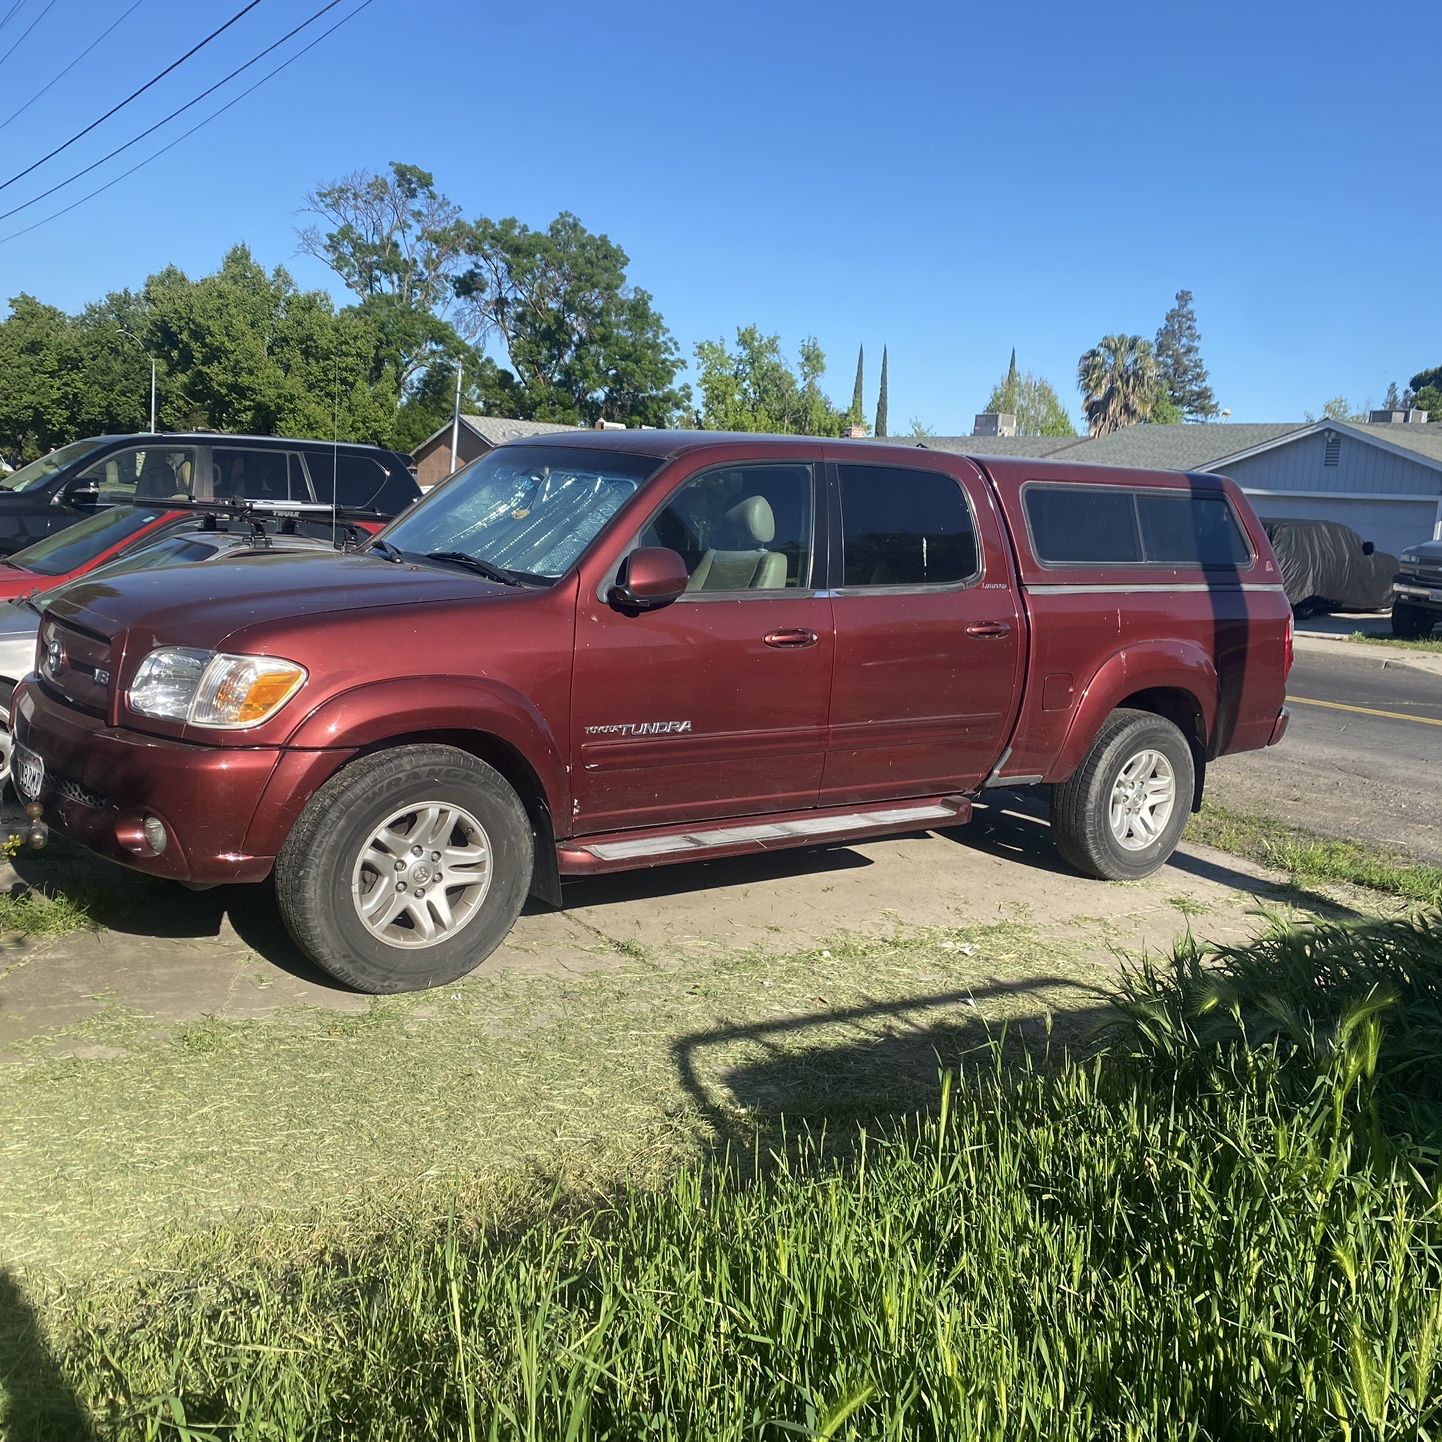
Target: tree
(1393, 401)
(1426, 388)
(33, 413)
(879, 429)
(399, 245)
(918, 430)
(582, 343)
(1032, 401)
(1119, 383)
(855, 413)
(753, 388)
(1337, 409)
(1179, 363)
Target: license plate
(29, 772)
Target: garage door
(1389, 525)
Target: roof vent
(1334, 449)
(995, 423)
(1397, 418)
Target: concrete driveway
(169, 954)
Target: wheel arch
(1175, 680)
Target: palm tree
(1118, 381)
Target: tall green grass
(1226, 1225)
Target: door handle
(790, 640)
(988, 628)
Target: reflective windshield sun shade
(531, 509)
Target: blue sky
(947, 179)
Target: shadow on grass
(35, 1398)
(889, 1069)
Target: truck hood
(1428, 551)
(200, 605)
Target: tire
(1087, 832)
(1411, 623)
(363, 830)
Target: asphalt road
(1363, 757)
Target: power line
(10, 14)
(55, 80)
(186, 134)
(28, 29)
(133, 95)
(189, 104)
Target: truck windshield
(530, 510)
(38, 472)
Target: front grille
(74, 791)
(1423, 575)
(77, 664)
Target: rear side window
(239, 473)
(1181, 529)
(1076, 525)
(1111, 526)
(904, 528)
(359, 483)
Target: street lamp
(151, 359)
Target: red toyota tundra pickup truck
(620, 649)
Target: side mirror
(653, 576)
(83, 497)
(1368, 548)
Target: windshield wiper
(488, 569)
(390, 552)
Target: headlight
(1411, 558)
(204, 688)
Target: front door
(928, 636)
(715, 705)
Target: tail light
(1289, 648)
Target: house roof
(1195, 447)
(1031, 447)
(496, 430)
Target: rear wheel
(1410, 622)
(406, 869)
(1122, 813)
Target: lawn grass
(120, 1130)
(1432, 645)
(1308, 857)
(29, 912)
(1225, 1225)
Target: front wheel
(1121, 815)
(1411, 623)
(406, 869)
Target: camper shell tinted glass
(1079, 525)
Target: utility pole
(129, 336)
(456, 419)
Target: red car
(109, 534)
(83, 546)
(612, 650)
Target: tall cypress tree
(880, 428)
(856, 400)
(1179, 362)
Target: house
(477, 435)
(1383, 477)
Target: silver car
(20, 620)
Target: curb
(1381, 656)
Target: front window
(37, 473)
(150, 472)
(529, 511)
(66, 550)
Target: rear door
(714, 705)
(928, 634)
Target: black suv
(55, 491)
